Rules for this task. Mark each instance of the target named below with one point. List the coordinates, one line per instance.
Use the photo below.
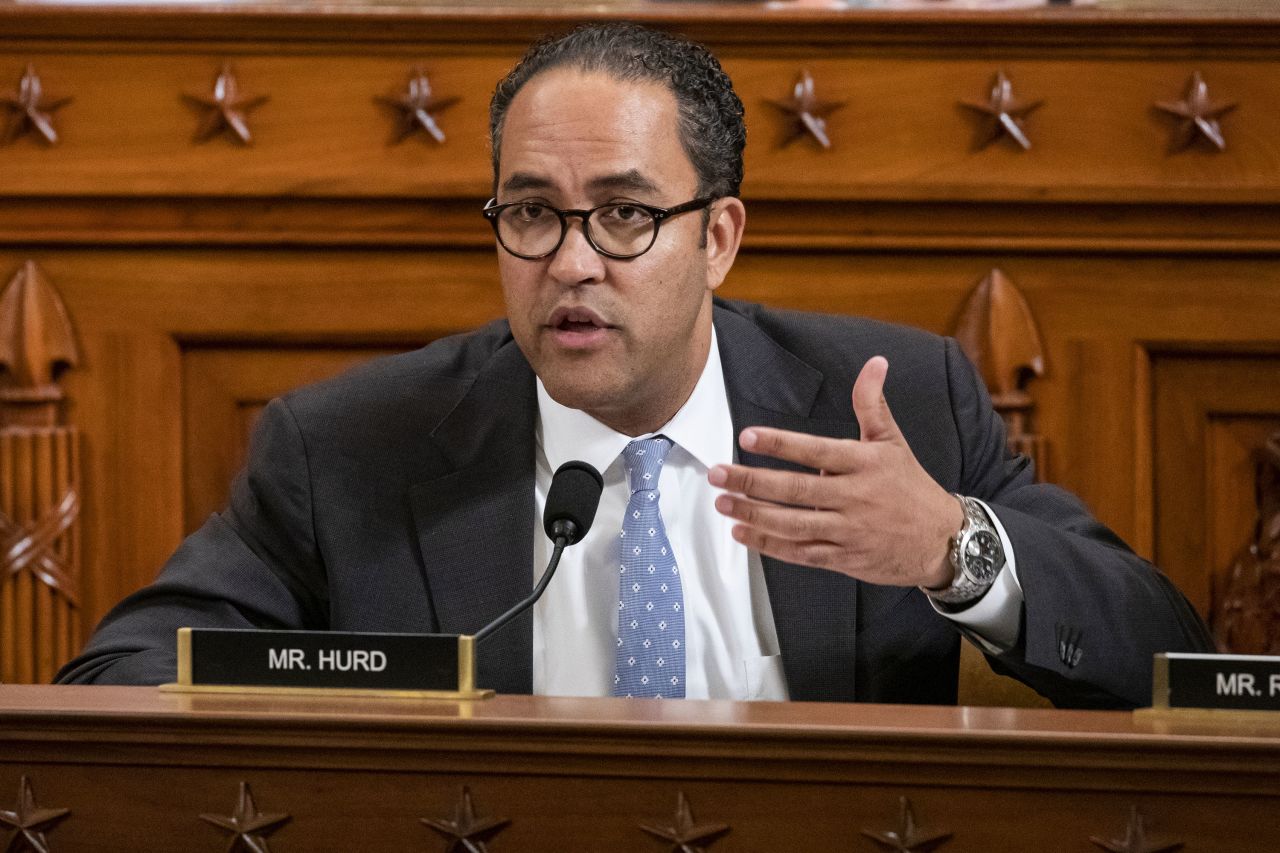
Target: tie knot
(643, 461)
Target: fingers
(783, 487)
(833, 455)
(822, 555)
(870, 517)
(797, 524)
(875, 421)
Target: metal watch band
(967, 584)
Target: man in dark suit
(838, 553)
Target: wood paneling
(224, 388)
(901, 135)
(142, 312)
(1213, 410)
(203, 278)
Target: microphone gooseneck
(571, 506)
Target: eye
(624, 214)
(530, 212)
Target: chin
(585, 395)
(582, 389)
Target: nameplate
(329, 661)
(1221, 682)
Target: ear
(724, 235)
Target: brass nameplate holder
(329, 663)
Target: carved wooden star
(226, 108)
(247, 826)
(1002, 114)
(808, 113)
(687, 836)
(29, 109)
(466, 832)
(1135, 839)
(416, 107)
(1198, 116)
(908, 838)
(29, 821)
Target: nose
(576, 262)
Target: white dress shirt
(731, 644)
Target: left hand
(872, 512)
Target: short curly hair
(711, 128)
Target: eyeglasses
(619, 229)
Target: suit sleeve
(1095, 613)
(254, 565)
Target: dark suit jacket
(397, 498)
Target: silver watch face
(983, 556)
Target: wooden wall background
(158, 290)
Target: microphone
(571, 506)
(571, 502)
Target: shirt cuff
(992, 622)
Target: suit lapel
(814, 610)
(474, 518)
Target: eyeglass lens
(535, 229)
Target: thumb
(875, 421)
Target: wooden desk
(137, 768)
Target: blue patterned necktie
(650, 659)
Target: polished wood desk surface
(590, 774)
(70, 708)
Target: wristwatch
(977, 556)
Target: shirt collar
(703, 426)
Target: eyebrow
(631, 180)
(522, 181)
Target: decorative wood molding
(1135, 839)
(808, 114)
(416, 107)
(465, 831)
(1246, 615)
(30, 547)
(998, 332)
(685, 834)
(40, 529)
(1197, 116)
(247, 826)
(29, 822)
(908, 837)
(36, 345)
(30, 110)
(1251, 26)
(1002, 114)
(225, 108)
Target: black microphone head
(572, 501)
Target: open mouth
(578, 328)
(581, 320)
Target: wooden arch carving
(998, 332)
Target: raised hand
(871, 511)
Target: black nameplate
(330, 659)
(1229, 682)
